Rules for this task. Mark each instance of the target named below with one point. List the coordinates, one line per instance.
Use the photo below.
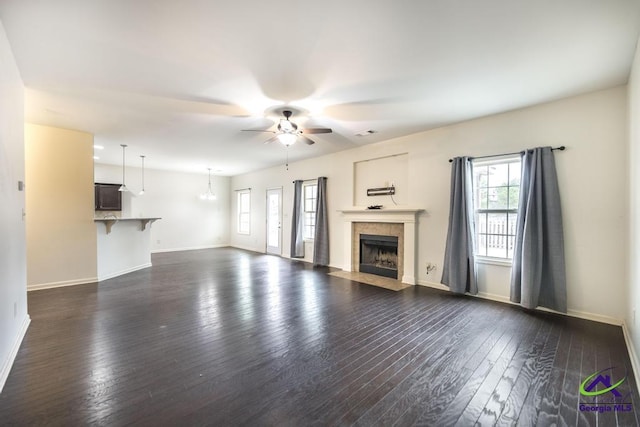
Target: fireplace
(379, 255)
(398, 222)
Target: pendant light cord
(142, 172)
(123, 148)
(124, 186)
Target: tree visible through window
(310, 196)
(496, 186)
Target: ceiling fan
(288, 133)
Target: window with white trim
(309, 200)
(496, 189)
(244, 211)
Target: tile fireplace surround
(390, 222)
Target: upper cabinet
(107, 197)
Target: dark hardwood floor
(228, 337)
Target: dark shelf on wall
(382, 191)
(107, 197)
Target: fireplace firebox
(379, 255)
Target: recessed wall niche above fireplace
(379, 255)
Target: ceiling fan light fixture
(288, 133)
(286, 126)
(287, 139)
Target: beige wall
(61, 234)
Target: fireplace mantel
(400, 215)
(406, 216)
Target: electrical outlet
(431, 267)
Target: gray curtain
(297, 222)
(321, 238)
(459, 271)
(538, 275)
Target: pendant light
(123, 187)
(209, 195)
(142, 191)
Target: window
(496, 188)
(310, 196)
(244, 211)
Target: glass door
(274, 221)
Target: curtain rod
(312, 179)
(242, 189)
(561, 148)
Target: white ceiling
(178, 80)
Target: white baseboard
(120, 273)
(500, 298)
(193, 248)
(8, 363)
(409, 280)
(633, 356)
(61, 284)
(587, 316)
(247, 248)
(310, 261)
(434, 285)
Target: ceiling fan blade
(306, 140)
(316, 130)
(159, 103)
(257, 130)
(270, 140)
(260, 123)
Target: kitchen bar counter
(124, 245)
(108, 222)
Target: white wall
(125, 249)
(13, 256)
(633, 304)
(187, 222)
(593, 184)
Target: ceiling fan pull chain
(287, 147)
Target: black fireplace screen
(379, 255)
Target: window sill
(308, 240)
(493, 261)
